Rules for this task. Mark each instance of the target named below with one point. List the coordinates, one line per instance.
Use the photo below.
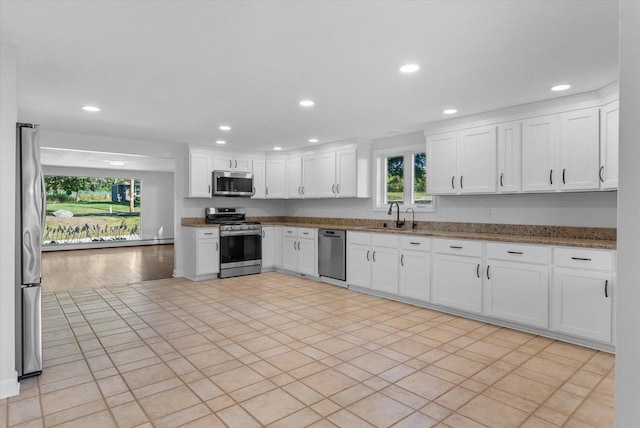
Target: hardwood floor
(78, 269)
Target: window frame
(380, 179)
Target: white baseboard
(9, 387)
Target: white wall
(628, 288)
(156, 210)
(593, 209)
(8, 376)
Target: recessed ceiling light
(313, 140)
(409, 68)
(562, 87)
(116, 163)
(92, 109)
(221, 142)
(307, 103)
(277, 148)
(224, 128)
(449, 111)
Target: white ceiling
(172, 71)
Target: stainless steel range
(240, 241)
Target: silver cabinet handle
(368, 251)
(338, 188)
(303, 190)
(414, 243)
(208, 233)
(374, 256)
(298, 245)
(515, 252)
(461, 184)
(209, 189)
(254, 191)
(501, 178)
(563, 172)
(455, 247)
(600, 174)
(606, 288)
(581, 259)
(551, 176)
(216, 246)
(299, 192)
(236, 164)
(402, 260)
(230, 163)
(478, 270)
(488, 267)
(452, 184)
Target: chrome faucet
(398, 222)
(414, 225)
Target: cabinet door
(581, 303)
(200, 169)
(258, 179)
(310, 176)
(609, 146)
(242, 165)
(579, 154)
(294, 178)
(456, 282)
(539, 137)
(277, 246)
(275, 179)
(327, 176)
(517, 292)
(359, 265)
(267, 247)
(509, 157)
(307, 256)
(477, 153)
(441, 164)
(208, 256)
(384, 269)
(223, 163)
(347, 173)
(290, 253)
(415, 275)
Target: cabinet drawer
(518, 252)
(583, 258)
(461, 247)
(305, 232)
(208, 232)
(417, 243)
(361, 238)
(384, 240)
(290, 232)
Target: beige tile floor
(274, 350)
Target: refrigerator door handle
(31, 331)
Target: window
(402, 178)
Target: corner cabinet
(200, 174)
(609, 139)
(201, 252)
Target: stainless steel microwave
(226, 183)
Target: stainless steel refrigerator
(30, 205)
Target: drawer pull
(414, 243)
(478, 270)
(208, 233)
(515, 252)
(581, 258)
(606, 288)
(455, 247)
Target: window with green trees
(404, 178)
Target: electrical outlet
(486, 212)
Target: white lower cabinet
(372, 261)
(299, 250)
(268, 250)
(415, 268)
(202, 252)
(582, 293)
(457, 274)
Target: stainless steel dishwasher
(332, 245)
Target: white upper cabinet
(327, 176)
(310, 176)
(539, 136)
(509, 157)
(441, 163)
(200, 169)
(608, 173)
(477, 160)
(259, 185)
(346, 173)
(227, 162)
(294, 178)
(275, 179)
(462, 162)
(579, 150)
